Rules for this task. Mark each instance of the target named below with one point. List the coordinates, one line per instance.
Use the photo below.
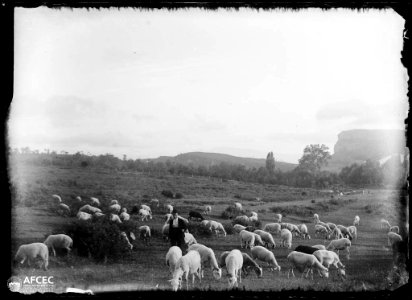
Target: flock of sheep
(199, 257)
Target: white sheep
(336, 233)
(345, 231)
(248, 262)
(187, 264)
(169, 208)
(207, 209)
(393, 237)
(278, 218)
(327, 258)
(304, 231)
(115, 218)
(302, 262)
(266, 237)
(207, 256)
(145, 233)
(293, 229)
(340, 244)
(78, 199)
(253, 218)
(324, 225)
(205, 224)
(319, 229)
(165, 231)
(172, 257)
(31, 252)
(264, 255)
(385, 224)
(94, 201)
(315, 218)
(144, 214)
(123, 236)
(258, 239)
(238, 228)
(79, 291)
(286, 238)
(114, 208)
(57, 198)
(168, 217)
(145, 207)
(83, 216)
(59, 241)
(238, 206)
(190, 239)
(356, 221)
(222, 259)
(234, 263)
(155, 202)
(353, 231)
(320, 247)
(114, 202)
(394, 229)
(241, 219)
(273, 228)
(124, 216)
(331, 225)
(98, 215)
(217, 227)
(89, 209)
(64, 209)
(248, 238)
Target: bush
(230, 213)
(198, 230)
(312, 201)
(178, 195)
(228, 228)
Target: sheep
(393, 237)
(83, 216)
(336, 233)
(320, 247)
(253, 218)
(115, 208)
(356, 221)
(273, 228)
(165, 231)
(238, 228)
(124, 216)
(145, 207)
(94, 201)
(155, 201)
(195, 215)
(190, 239)
(303, 262)
(187, 264)
(168, 217)
(319, 229)
(98, 215)
(353, 231)
(205, 224)
(394, 229)
(172, 257)
(248, 238)
(293, 229)
(114, 202)
(267, 238)
(331, 225)
(304, 231)
(324, 225)
(64, 209)
(59, 241)
(89, 209)
(248, 263)
(144, 233)
(315, 218)
(115, 218)
(207, 257)
(234, 264)
(57, 197)
(79, 291)
(242, 220)
(278, 218)
(78, 199)
(216, 227)
(286, 238)
(169, 208)
(222, 259)
(31, 252)
(306, 249)
(144, 214)
(258, 239)
(238, 206)
(264, 255)
(123, 237)
(385, 224)
(327, 258)
(340, 244)
(207, 209)
(345, 231)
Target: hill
(210, 159)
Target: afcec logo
(31, 284)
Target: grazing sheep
(306, 249)
(59, 241)
(241, 220)
(324, 225)
(336, 233)
(169, 208)
(205, 224)
(144, 214)
(190, 239)
(345, 231)
(278, 218)
(319, 229)
(31, 252)
(83, 216)
(286, 238)
(207, 257)
(145, 207)
(353, 231)
(145, 234)
(253, 218)
(207, 209)
(393, 237)
(165, 231)
(78, 199)
(115, 218)
(234, 264)
(394, 229)
(293, 229)
(98, 215)
(195, 215)
(89, 209)
(238, 228)
(331, 225)
(222, 259)
(304, 231)
(217, 227)
(273, 228)
(123, 237)
(341, 244)
(315, 218)
(155, 202)
(327, 258)
(114, 202)
(385, 224)
(238, 206)
(320, 247)
(248, 238)
(94, 201)
(172, 257)
(266, 237)
(57, 198)
(356, 221)
(258, 239)
(302, 262)
(264, 255)
(248, 263)
(115, 208)
(124, 216)
(64, 209)
(187, 264)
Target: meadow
(34, 217)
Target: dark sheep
(195, 215)
(306, 249)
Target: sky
(150, 83)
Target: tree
(314, 158)
(270, 163)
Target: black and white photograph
(192, 149)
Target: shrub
(228, 228)
(230, 212)
(178, 195)
(312, 201)
(167, 193)
(198, 230)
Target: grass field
(144, 268)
